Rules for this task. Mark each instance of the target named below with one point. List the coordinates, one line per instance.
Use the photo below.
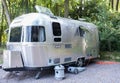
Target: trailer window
(36, 34)
(56, 29)
(57, 39)
(80, 32)
(15, 34)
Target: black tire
(80, 62)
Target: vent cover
(56, 60)
(67, 59)
(68, 46)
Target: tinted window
(82, 32)
(15, 34)
(56, 29)
(57, 39)
(36, 34)
(79, 32)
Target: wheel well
(83, 58)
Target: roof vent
(44, 10)
(81, 19)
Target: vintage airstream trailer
(40, 40)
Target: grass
(1, 53)
(112, 56)
(1, 50)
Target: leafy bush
(97, 12)
(110, 56)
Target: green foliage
(1, 52)
(109, 30)
(108, 23)
(110, 56)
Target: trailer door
(15, 39)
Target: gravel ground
(94, 73)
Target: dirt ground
(94, 73)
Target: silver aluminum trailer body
(37, 40)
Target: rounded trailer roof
(29, 19)
(89, 26)
(85, 25)
(34, 19)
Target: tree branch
(6, 11)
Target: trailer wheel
(76, 71)
(80, 62)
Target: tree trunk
(81, 5)
(34, 3)
(1, 33)
(10, 8)
(6, 11)
(27, 8)
(0, 39)
(109, 46)
(1, 26)
(50, 4)
(56, 9)
(112, 4)
(109, 3)
(117, 5)
(66, 8)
